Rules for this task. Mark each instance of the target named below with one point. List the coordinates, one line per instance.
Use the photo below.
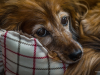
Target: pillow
(26, 56)
(1, 61)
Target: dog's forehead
(54, 26)
(47, 13)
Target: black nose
(76, 55)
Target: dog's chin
(63, 59)
(69, 61)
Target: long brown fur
(90, 40)
(85, 15)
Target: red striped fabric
(25, 55)
(36, 59)
(5, 49)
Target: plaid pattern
(1, 61)
(27, 56)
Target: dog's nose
(76, 55)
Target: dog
(62, 26)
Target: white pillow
(27, 56)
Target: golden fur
(90, 40)
(29, 15)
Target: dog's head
(52, 22)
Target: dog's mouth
(60, 57)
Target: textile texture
(26, 56)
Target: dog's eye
(42, 32)
(64, 20)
